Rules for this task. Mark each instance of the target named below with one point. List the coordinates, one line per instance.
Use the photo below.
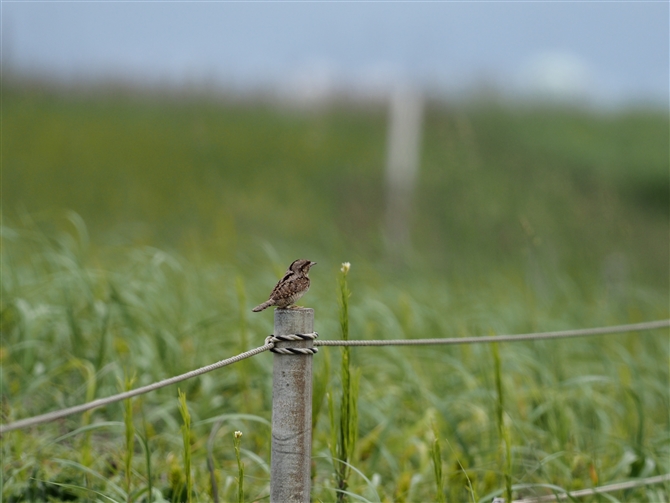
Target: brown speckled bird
(291, 287)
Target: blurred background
(485, 167)
(373, 128)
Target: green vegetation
(130, 439)
(138, 232)
(186, 436)
(437, 467)
(240, 467)
(344, 434)
(503, 430)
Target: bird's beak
(312, 263)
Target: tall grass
(186, 437)
(343, 443)
(563, 401)
(237, 440)
(503, 430)
(145, 439)
(86, 449)
(436, 454)
(129, 436)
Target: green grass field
(139, 231)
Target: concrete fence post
(290, 477)
(402, 166)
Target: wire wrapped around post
(274, 339)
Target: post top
(294, 311)
(291, 321)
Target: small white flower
(238, 434)
(345, 267)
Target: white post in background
(291, 458)
(402, 164)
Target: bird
(290, 288)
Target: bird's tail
(264, 305)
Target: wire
(596, 490)
(270, 343)
(650, 325)
(52, 416)
(310, 350)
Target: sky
(599, 52)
